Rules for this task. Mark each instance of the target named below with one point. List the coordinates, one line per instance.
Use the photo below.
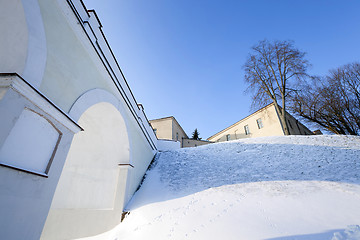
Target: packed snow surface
(278, 188)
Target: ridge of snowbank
(318, 158)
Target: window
(247, 130)
(228, 137)
(177, 136)
(259, 123)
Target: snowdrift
(278, 188)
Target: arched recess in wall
(36, 50)
(14, 37)
(23, 40)
(92, 178)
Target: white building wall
(166, 145)
(59, 49)
(14, 45)
(28, 182)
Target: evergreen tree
(195, 135)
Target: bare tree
(271, 70)
(332, 102)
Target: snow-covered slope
(279, 188)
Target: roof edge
(225, 129)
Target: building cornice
(17, 83)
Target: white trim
(98, 95)
(25, 89)
(92, 97)
(24, 169)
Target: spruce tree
(195, 135)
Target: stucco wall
(194, 143)
(14, 45)
(165, 145)
(269, 118)
(177, 132)
(89, 198)
(27, 186)
(71, 67)
(168, 128)
(63, 55)
(271, 126)
(78, 64)
(164, 128)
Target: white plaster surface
(30, 144)
(14, 36)
(92, 97)
(47, 47)
(164, 145)
(36, 51)
(26, 197)
(90, 174)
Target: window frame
(228, 137)
(259, 123)
(247, 129)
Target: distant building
(264, 122)
(168, 128)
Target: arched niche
(90, 176)
(23, 40)
(90, 194)
(36, 46)
(14, 36)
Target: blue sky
(184, 58)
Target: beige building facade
(194, 143)
(262, 123)
(168, 128)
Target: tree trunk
(282, 117)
